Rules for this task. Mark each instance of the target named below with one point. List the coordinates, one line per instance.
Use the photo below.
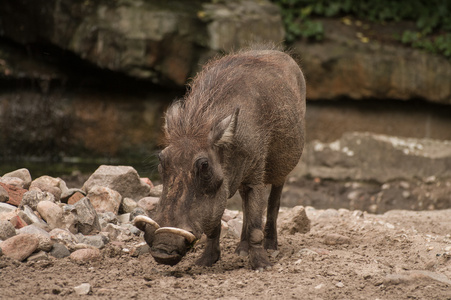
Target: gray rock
(123, 179)
(32, 198)
(374, 157)
(83, 289)
(104, 199)
(97, 240)
(59, 250)
(140, 249)
(45, 242)
(107, 217)
(23, 174)
(70, 218)
(7, 230)
(4, 197)
(88, 221)
(127, 205)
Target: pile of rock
(44, 217)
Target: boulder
(163, 42)
(343, 66)
(375, 157)
(104, 199)
(149, 204)
(128, 205)
(14, 181)
(123, 179)
(23, 174)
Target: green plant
(431, 17)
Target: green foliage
(432, 18)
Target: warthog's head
(195, 189)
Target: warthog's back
(269, 88)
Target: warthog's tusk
(178, 231)
(141, 221)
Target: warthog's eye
(203, 168)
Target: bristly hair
(219, 80)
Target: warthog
(239, 127)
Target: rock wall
(160, 41)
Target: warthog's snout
(168, 244)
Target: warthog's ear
(223, 132)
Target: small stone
(88, 220)
(124, 218)
(83, 289)
(113, 230)
(127, 205)
(149, 204)
(34, 219)
(63, 236)
(104, 199)
(41, 255)
(336, 239)
(7, 230)
(85, 255)
(51, 213)
(32, 198)
(15, 194)
(18, 222)
(45, 242)
(339, 284)
(296, 221)
(23, 174)
(156, 191)
(75, 197)
(140, 249)
(229, 215)
(19, 247)
(70, 218)
(59, 251)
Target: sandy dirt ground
(346, 255)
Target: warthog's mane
(205, 103)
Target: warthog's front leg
(212, 250)
(252, 233)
